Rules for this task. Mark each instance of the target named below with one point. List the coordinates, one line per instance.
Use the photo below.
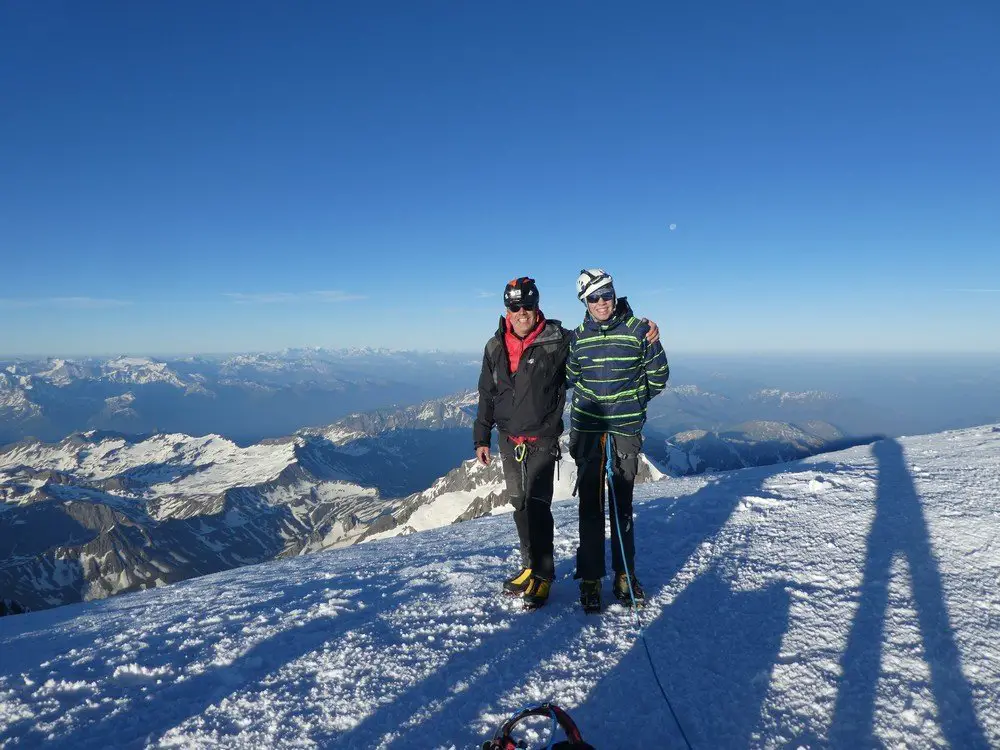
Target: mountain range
(110, 510)
(100, 513)
(246, 397)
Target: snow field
(848, 600)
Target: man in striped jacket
(614, 372)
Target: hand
(653, 334)
(483, 454)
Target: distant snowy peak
(125, 370)
(120, 409)
(63, 372)
(284, 368)
(291, 359)
(691, 390)
(140, 371)
(366, 351)
(261, 362)
(451, 412)
(776, 395)
(754, 443)
(319, 351)
(14, 401)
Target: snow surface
(850, 600)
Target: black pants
(591, 463)
(529, 490)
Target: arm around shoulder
(572, 361)
(657, 368)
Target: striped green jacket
(614, 373)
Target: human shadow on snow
(900, 530)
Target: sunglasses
(605, 294)
(517, 308)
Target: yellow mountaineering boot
(517, 584)
(537, 593)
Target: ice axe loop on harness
(503, 738)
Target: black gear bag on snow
(502, 739)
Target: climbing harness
(521, 444)
(609, 470)
(520, 451)
(503, 738)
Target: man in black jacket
(522, 390)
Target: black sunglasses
(607, 294)
(517, 308)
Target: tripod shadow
(899, 529)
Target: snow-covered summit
(62, 372)
(451, 412)
(14, 400)
(140, 371)
(849, 600)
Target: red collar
(516, 346)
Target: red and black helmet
(520, 293)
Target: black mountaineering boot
(537, 593)
(590, 596)
(622, 594)
(517, 584)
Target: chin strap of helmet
(502, 739)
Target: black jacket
(531, 401)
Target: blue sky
(190, 176)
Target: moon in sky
(673, 227)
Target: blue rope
(609, 472)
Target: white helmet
(590, 280)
